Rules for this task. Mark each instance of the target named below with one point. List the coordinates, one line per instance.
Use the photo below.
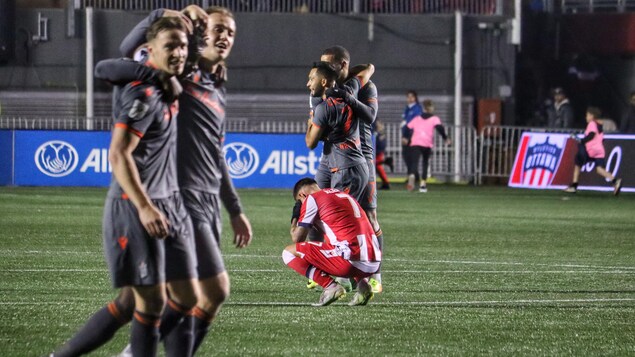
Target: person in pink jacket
(591, 149)
(421, 144)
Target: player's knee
(287, 256)
(125, 302)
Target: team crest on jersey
(138, 109)
(242, 159)
(56, 158)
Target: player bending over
(350, 248)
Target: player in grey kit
(365, 107)
(203, 177)
(148, 236)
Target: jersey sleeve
(135, 111)
(123, 70)
(308, 212)
(137, 36)
(320, 116)
(353, 86)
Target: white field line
(617, 272)
(467, 262)
(395, 303)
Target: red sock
(306, 269)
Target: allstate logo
(242, 159)
(56, 158)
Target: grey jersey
(342, 131)
(368, 96)
(140, 109)
(201, 163)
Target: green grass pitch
(467, 271)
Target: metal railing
(475, 7)
(591, 6)
(497, 146)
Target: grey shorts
(352, 180)
(323, 175)
(205, 210)
(136, 259)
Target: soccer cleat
(410, 185)
(363, 295)
(571, 189)
(311, 284)
(375, 286)
(330, 295)
(423, 188)
(346, 283)
(385, 186)
(617, 187)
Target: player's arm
(315, 129)
(121, 71)
(137, 37)
(588, 137)
(441, 130)
(363, 72)
(299, 233)
(239, 221)
(125, 170)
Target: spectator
(380, 155)
(627, 126)
(560, 116)
(413, 109)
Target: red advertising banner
(546, 161)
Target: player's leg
(379, 168)
(615, 182)
(580, 159)
(144, 333)
(101, 326)
(425, 154)
(296, 256)
(182, 280)
(214, 292)
(413, 167)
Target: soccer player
(350, 250)
(364, 107)
(203, 176)
(145, 222)
(333, 119)
(591, 149)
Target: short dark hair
(414, 93)
(219, 10)
(338, 52)
(164, 24)
(325, 70)
(595, 111)
(306, 181)
(427, 103)
(632, 93)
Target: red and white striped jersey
(343, 222)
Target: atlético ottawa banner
(546, 161)
(80, 158)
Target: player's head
(167, 45)
(428, 106)
(411, 97)
(633, 97)
(221, 32)
(339, 58)
(559, 95)
(321, 77)
(304, 187)
(593, 113)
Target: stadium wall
(273, 51)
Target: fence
(591, 6)
(474, 7)
(497, 149)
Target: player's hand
(448, 142)
(170, 85)
(197, 15)
(154, 222)
(181, 16)
(220, 75)
(242, 230)
(405, 141)
(338, 93)
(295, 213)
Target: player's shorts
(328, 258)
(369, 199)
(582, 157)
(323, 175)
(352, 180)
(134, 257)
(205, 210)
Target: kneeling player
(350, 248)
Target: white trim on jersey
(366, 267)
(310, 211)
(363, 247)
(329, 233)
(311, 272)
(376, 249)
